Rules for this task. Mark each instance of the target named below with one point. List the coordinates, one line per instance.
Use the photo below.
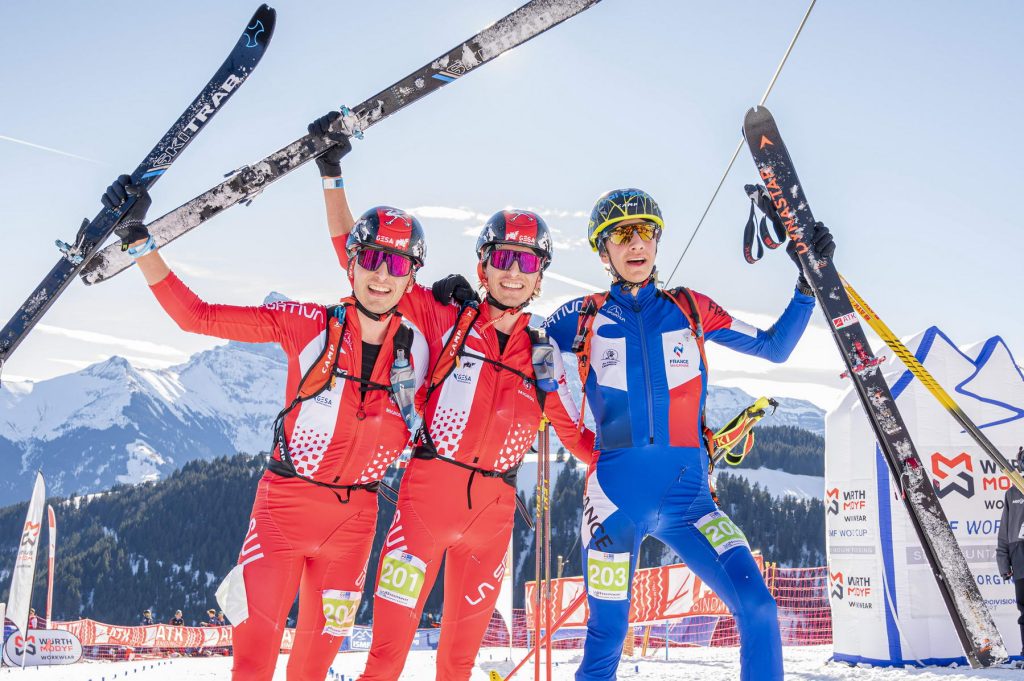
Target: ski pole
(545, 450)
(538, 534)
(929, 382)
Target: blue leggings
(663, 491)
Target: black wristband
(803, 287)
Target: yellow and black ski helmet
(619, 205)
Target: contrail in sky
(50, 149)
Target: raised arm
(339, 216)
(249, 324)
(774, 344)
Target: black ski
(981, 641)
(530, 20)
(233, 72)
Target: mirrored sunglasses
(623, 234)
(503, 258)
(371, 259)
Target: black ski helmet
(388, 229)
(516, 228)
(619, 205)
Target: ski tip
(260, 28)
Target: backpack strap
(692, 314)
(449, 358)
(321, 373)
(592, 304)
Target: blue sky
(900, 116)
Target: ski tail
(242, 60)
(525, 23)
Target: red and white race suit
(300, 535)
(484, 416)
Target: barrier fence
(671, 608)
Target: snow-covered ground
(708, 664)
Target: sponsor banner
(25, 561)
(41, 648)
(908, 619)
(92, 633)
(660, 593)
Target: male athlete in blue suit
(645, 380)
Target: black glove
(818, 239)
(329, 162)
(131, 227)
(454, 288)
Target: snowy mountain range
(113, 423)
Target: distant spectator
(211, 618)
(147, 618)
(33, 620)
(222, 621)
(177, 620)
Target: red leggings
(300, 538)
(433, 519)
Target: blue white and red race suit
(646, 388)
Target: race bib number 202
(340, 611)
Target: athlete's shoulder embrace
(561, 324)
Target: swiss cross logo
(955, 474)
(835, 582)
(832, 501)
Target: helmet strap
(377, 317)
(630, 286)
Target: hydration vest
(592, 304)
(323, 374)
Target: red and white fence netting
(670, 608)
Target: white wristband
(334, 182)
